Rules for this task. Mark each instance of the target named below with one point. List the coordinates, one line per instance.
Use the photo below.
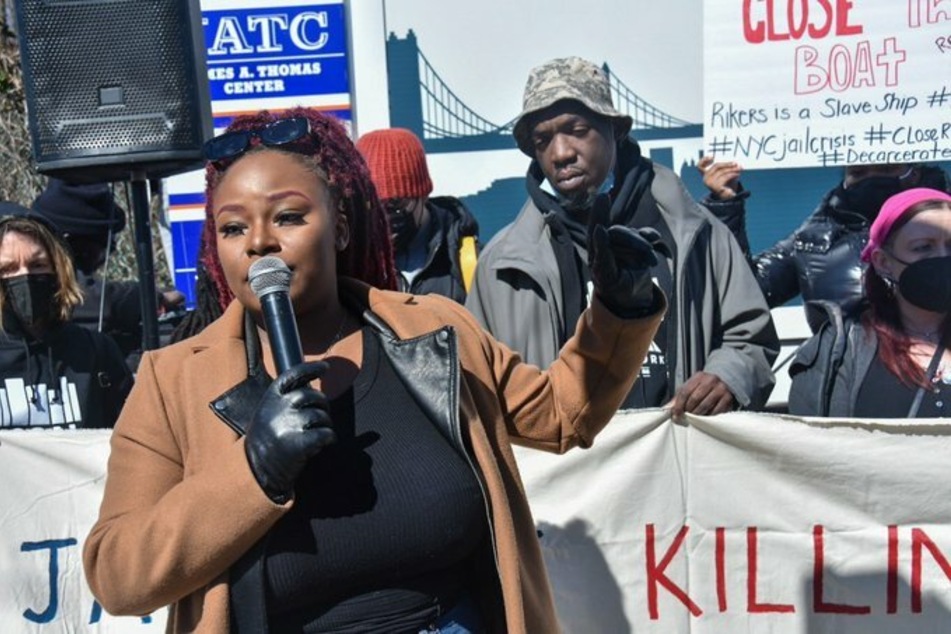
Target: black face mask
(927, 284)
(403, 225)
(29, 298)
(867, 196)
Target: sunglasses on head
(276, 133)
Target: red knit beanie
(397, 163)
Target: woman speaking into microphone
(372, 486)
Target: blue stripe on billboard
(186, 238)
(179, 200)
(277, 52)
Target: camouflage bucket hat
(566, 78)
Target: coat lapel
(220, 367)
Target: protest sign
(52, 486)
(736, 523)
(795, 83)
(748, 523)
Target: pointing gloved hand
(291, 424)
(620, 259)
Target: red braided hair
(369, 255)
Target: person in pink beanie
(891, 359)
(434, 238)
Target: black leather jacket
(435, 390)
(820, 259)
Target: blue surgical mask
(580, 202)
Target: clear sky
(484, 50)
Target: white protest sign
(738, 523)
(748, 523)
(52, 486)
(796, 83)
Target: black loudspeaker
(114, 88)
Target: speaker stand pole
(144, 259)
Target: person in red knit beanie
(434, 239)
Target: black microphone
(270, 280)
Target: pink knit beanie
(397, 163)
(892, 210)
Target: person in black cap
(88, 219)
(53, 373)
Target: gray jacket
(720, 319)
(830, 367)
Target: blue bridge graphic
(421, 101)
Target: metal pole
(145, 260)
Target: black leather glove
(620, 259)
(290, 424)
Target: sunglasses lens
(285, 131)
(226, 145)
(234, 143)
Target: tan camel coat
(181, 504)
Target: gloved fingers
(320, 433)
(602, 261)
(316, 438)
(600, 213)
(650, 234)
(308, 398)
(656, 240)
(630, 246)
(299, 375)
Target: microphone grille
(269, 275)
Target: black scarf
(569, 234)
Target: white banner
(794, 83)
(738, 523)
(49, 499)
(748, 523)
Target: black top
(882, 395)
(382, 529)
(121, 313)
(72, 378)
(652, 387)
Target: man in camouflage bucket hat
(567, 78)
(715, 349)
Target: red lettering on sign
(752, 564)
(655, 574)
(844, 68)
(819, 604)
(842, 26)
(892, 576)
(720, 557)
(919, 538)
(814, 18)
(927, 12)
